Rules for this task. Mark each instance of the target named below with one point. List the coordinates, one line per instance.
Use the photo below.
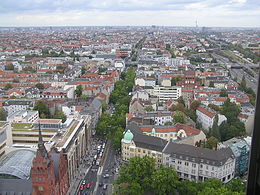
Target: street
(101, 171)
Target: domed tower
(126, 142)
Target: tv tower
(196, 22)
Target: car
(83, 182)
(100, 184)
(104, 186)
(106, 176)
(88, 186)
(81, 187)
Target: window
(40, 188)
(186, 164)
(179, 162)
(201, 166)
(193, 165)
(193, 171)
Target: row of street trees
(114, 125)
(140, 177)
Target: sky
(210, 13)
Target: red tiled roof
(206, 112)
(188, 129)
(159, 130)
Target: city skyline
(211, 13)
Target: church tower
(42, 172)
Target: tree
(180, 107)
(15, 80)
(181, 100)
(230, 110)
(8, 86)
(117, 137)
(139, 170)
(128, 189)
(40, 86)
(9, 67)
(168, 123)
(174, 80)
(165, 181)
(214, 107)
(179, 117)
(187, 187)
(60, 115)
(42, 109)
(237, 185)
(215, 129)
(83, 70)
(223, 93)
(149, 109)
(78, 90)
(194, 105)
(211, 84)
(2, 114)
(242, 85)
(211, 143)
(167, 46)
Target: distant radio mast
(196, 22)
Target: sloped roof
(145, 141)
(199, 155)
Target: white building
(13, 106)
(165, 93)
(24, 116)
(145, 82)
(194, 163)
(143, 95)
(205, 117)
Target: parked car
(88, 186)
(104, 186)
(81, 187)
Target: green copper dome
(128, 136)
(153, 131)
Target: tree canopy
(179, 117)
(8, 86)
(60, 115)
(42, 109)
(79, 90)
(40, 86)
(2, 114)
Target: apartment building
(12, 106)
(190, 162)
(138, 144)
(164, 93)
(199, 164)
(24, 116)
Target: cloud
(129, 12)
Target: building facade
(49, 171)
(194, 163)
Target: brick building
(49, 171)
